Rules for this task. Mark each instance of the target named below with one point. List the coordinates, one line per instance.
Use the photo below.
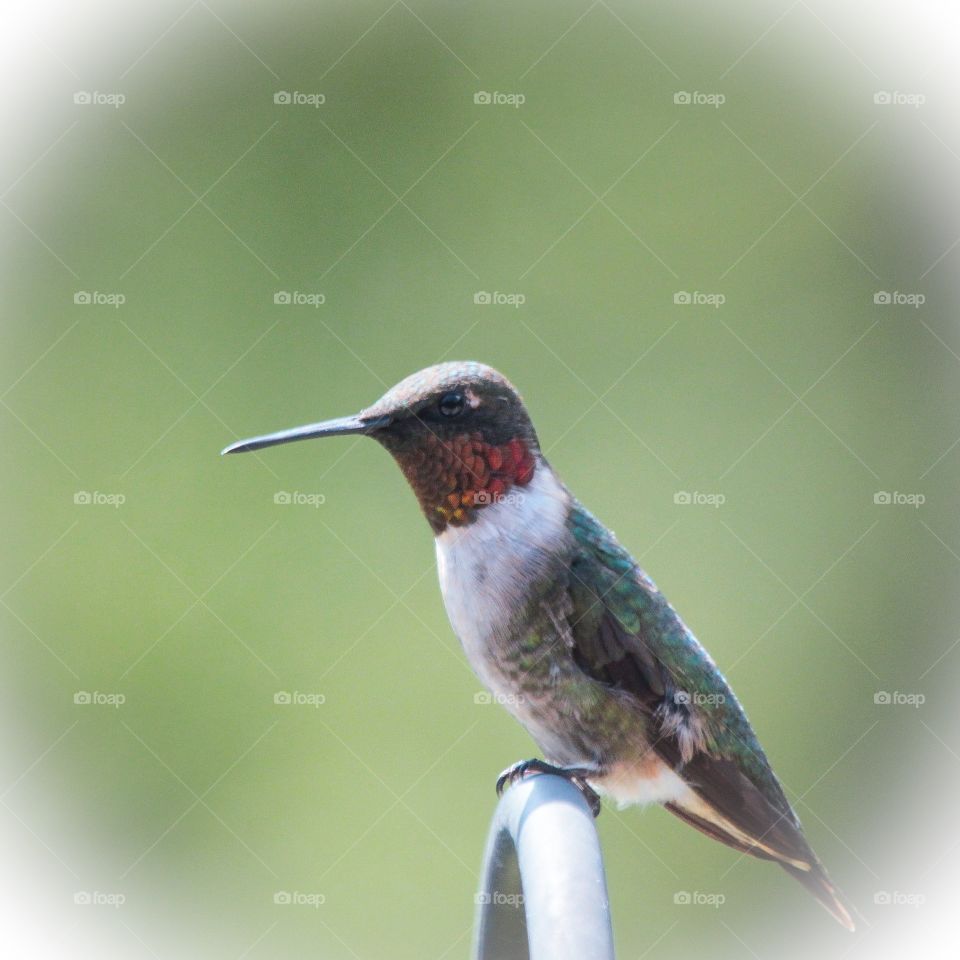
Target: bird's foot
(576, 775)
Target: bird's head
(459, 432)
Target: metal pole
(543, 893)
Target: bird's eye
(452, 404)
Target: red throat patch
(454, 478)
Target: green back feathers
(606, 581)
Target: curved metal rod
(543, 893)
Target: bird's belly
(645, 780)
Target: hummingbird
(560, 622)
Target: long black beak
(341, 427)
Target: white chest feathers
(485, 567)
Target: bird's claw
(576, 775)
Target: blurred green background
(601, 202)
